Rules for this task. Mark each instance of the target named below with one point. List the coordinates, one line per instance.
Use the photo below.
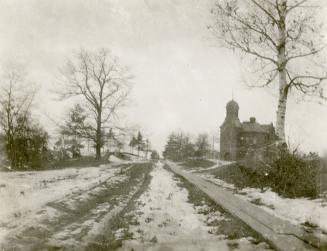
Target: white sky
(182, 79)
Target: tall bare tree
(103, 83)
(282, 41)
(16, 97)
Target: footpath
(280, 234)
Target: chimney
(252, 120)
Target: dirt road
(173, 215)
(137, 206)
(75, 219)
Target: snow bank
(297, 211)
(218, 163)
(218, 182)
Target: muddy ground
(144, 205)
(78, 221)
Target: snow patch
(24, 194)
(167, 221)
(298, 211)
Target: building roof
(255, 127)
(232, 104)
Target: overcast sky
(183, 80)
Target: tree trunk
(283, 87)
(98, 138)
(281, 112)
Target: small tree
(133, 143)
(202, 146)
(155, 156)
(76, 128)
(139, 143)
(171, 148)
(147, 146)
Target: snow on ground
(297, 211)
(218, 182)
(167, 218)
(24, 193)
(218, 163)
(114, 159)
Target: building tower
(229, 132)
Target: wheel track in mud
(70, 229)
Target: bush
(290, 175)
(242, 176)
(28, 147)
(295, 175)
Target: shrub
(290, 175)
(28, 147)
(295, 175)
(242, 176)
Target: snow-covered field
(23, 194)
(166, 219)
(297, 211)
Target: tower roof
(232, 104)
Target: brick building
(240, 140)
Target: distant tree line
(140, 144)
(179, 147)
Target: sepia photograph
(163, 125)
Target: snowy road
(64, 209)
(125, 207)
(167, 220)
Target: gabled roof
(255, 127)
(235, 123)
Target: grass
(198, 163)
(85, 161)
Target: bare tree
(16, 97)
(103, 84)
(281, 40)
